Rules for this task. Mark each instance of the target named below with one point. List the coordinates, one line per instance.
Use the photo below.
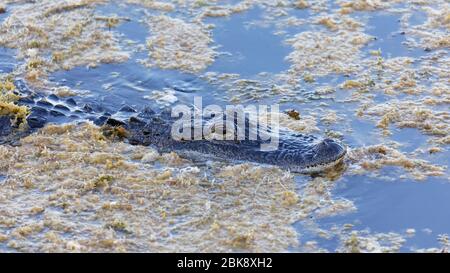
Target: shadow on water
(130, 83)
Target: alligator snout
(329, 150)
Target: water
(396, 206)
(248, 49)
(7, 61)
(389, 37)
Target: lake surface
(251, 42)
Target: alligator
(296, 152)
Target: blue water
(394, 206)
(389, 36)
(253, 49)
(3, 16)
(131, 85)
(7, 61)
(410, 138)
(382, 206)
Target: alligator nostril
(329, 148)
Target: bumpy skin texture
(296, 152)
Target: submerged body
(296, 152)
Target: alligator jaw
(320, 167)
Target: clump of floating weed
(362, 5)
(366, 242)
(101, 182)
(375, 157)
(408, 114)
(6, 91)
(362, 85)
(114, 132)
(301, 4)
(350, 84)
(176, 44)
(322, 53)
(209, 9)
(243, 241)
(308, 78)
(352, 244)
(35, 63)
(434, 150)
(110, 22)
(34, 44)
(7, 106)
(290, 198)
(293, 114)
(56, 34)
(57, 56)
(117, 206)
(158, 5)
(433, 33)
(172, 205)
(329, 23)
(330, 117)
(118, 225)
(63, 91)
(27, 230)
(66, 7)
(299, 123)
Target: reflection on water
(129, 83)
